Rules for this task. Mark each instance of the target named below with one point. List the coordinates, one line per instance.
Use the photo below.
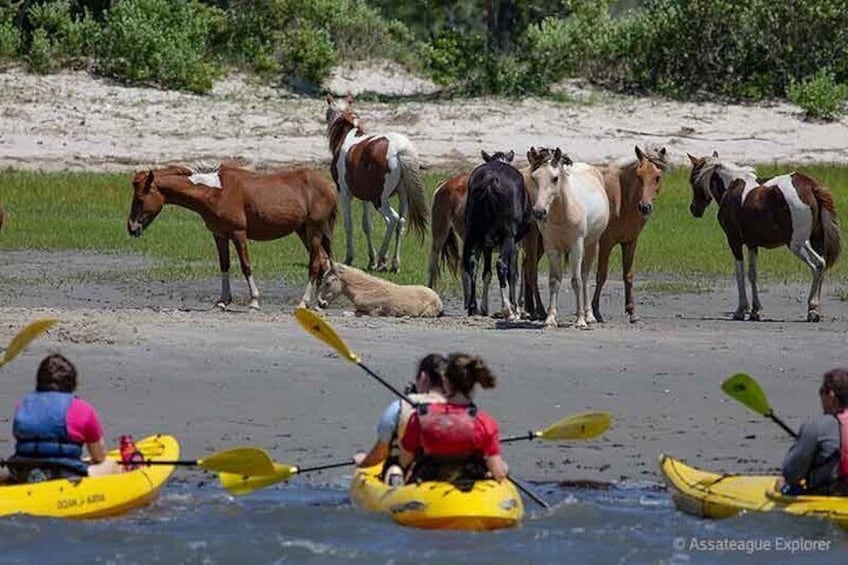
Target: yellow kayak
(711, 495)
(95, 497)
(437, 505)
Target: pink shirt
(83, 423)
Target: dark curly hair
(836, 380)
(464, 371)
(56, 374)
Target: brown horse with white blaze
(373, 168)
(238, 205)
(631, 186)
(795, 210)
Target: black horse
(498, 214)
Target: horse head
(649, 170)
(498, 156)
(330, 285)
(341, 118)
(146, 204)
(548, 169)
(709, 179)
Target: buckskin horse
(572, 212)
(497, 214)
(373, 168)
(792, 209)
(631, 186)
(244, 205)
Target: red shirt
(483, 435)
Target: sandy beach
(155, 357)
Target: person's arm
(799, 458)
(97, 450)
(385, 432)
(497, 467)
(492, 448)
(379, 453)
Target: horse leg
(742, 306)
(366, 229)
(554, 282)
(487, 280)
(439, 236)
(590, 253)
(506, 276)
(469, 273)
(312, 238)
(392, 224)
(345, 201)
(601, 277)
(240, 242)
(817, 265)
(752, 278)
(628, 255)
(222, 244)
(403, 208)
(576, 263)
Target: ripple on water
(305, 523)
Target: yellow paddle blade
(239, 460)
(239, 485)
(321, 328)
(579, 426)
(25, 337)
(746, 390)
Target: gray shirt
(815, 454)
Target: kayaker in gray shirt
(812, 465)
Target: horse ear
(510, 156)
(715, 153)
(639, 153)
(348, 98)
(694, 160)
(330, 99)
(662, 152)
(486, 156)
(532, 157)
(557, 156)
(566, 160)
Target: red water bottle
(130, 455)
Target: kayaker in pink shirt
(52, 425)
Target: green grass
(88, 211)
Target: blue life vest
(41, 431)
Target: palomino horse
(373, 296)
(247, 205)
(572, 211)
(447, 225)
(373, 168)
(497, 214)
(793, 210)
(631, 188)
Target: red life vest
(843, 447)
(449, 430)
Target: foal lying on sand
(373, 296)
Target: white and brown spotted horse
(373, 168)
(793, 210)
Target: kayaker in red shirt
(392, 425)
(456, 441)
(817, 463)
(52, 425)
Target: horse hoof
(739, 315)
(598, 317)
(550, 323)
(349, 261)
(754, 317)
(254, 305)
(813, 316)
(634, 318)
(590, 319)
(581, 325)
(395, 268)
(222, 305)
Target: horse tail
(442, 229)
(327, 231)
(831, 240)
(413, 186)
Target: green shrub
(40, 57)
(307, 54)
(162, 42)
(820, 96)
(10, 40)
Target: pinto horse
(447, 225)
(373, 168)
(245, 205)
(497, 214)
(631, 187)
(572, 211)
(793, 210)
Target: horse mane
(654, 153)
(714, 164)
(205, 167)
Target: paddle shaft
(383, 382)
(347, 463)
(531, 435)
(782, 424)
(530, 494)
